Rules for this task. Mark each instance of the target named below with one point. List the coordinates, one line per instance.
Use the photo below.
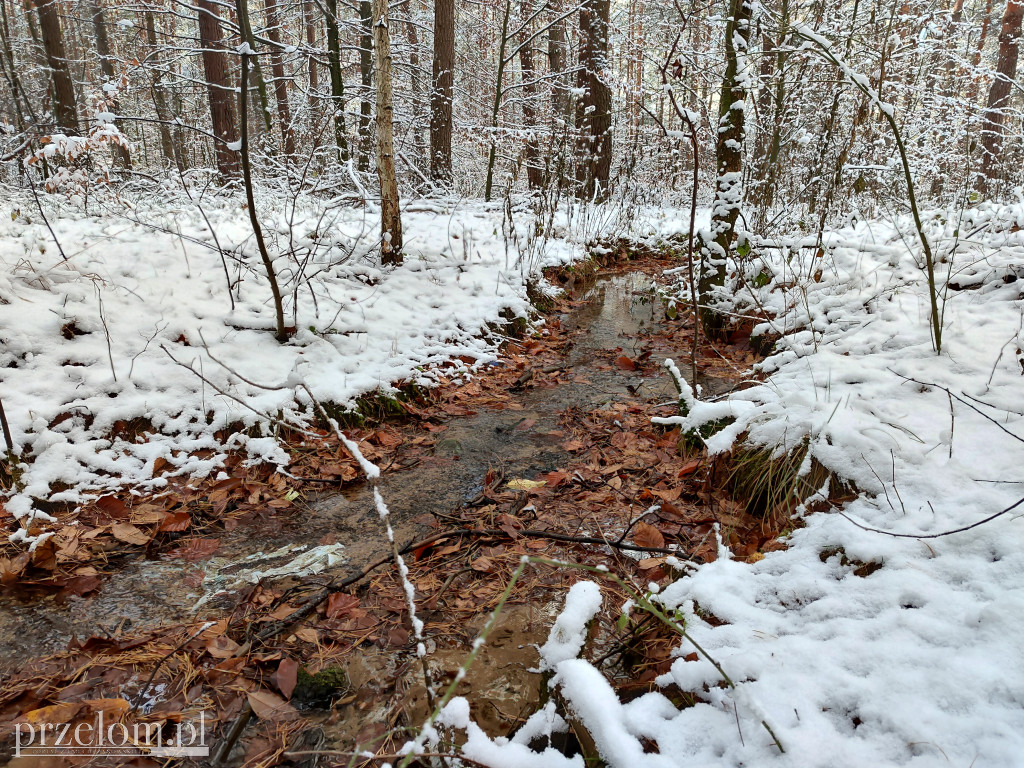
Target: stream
(615, 312)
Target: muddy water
(342, 531)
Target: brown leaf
(112, 709)
(129, 534)
(12, 568)
(482, 564)
(340, 604)
(56, 713)
(44, 556)
(667, 495)
(176, 521)
(690, 467)
(625, 363)
(308, 635)
(571, 446)
(195, 549)
(113, 507)
(556, 478)
(287, 676)
(82, 585)
(269, 706)
(646, 535)
(222, 647)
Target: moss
(320, 688)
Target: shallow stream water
(617, 312)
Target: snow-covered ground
(918, 662)
(138, 322)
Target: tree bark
(337, 83)
(308, 17)
(218, 88)
(284, 113)
(717, 244)
(171, 151)
(442, 91)
(99, 25)
(65, 110)
(416, 84)
(594, 119)
(366, 80)
(531, 154)
(390, 214)
(999, 93)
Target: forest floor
(160, 606)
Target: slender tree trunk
(11, 67)
(441, 92)
(366, 80)
(308, 19)
(99, 25)
(499, 91)
(534, 168)
(65, 110)
(337, 83)
(416, 84)
(171, 151)
(717, 244)
(594, 119)
(245, 27)
(390, 214)
(218, 88)
(999, 94)
(284, 113)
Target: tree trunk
(999, 94)
(716, 245)
(534, 168)
(416, 84)
(284, 113)
(441, 92)
(99, 25)
(64, 107)
(308, 17)
(218, 88)
(366, 80)
(17, 91)
(594, 119)
(337, 83)
(390, 215)
(171, 151)
(245, 28)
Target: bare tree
(716, 245)
(390, 214)
(171, 149)
(441, 92)
(594, 115)
(999, 93)
(64, 102)
(284, 113)
(218, 88)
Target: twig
(236, 730)
(930, 535)
(6, 428)
(145, 688)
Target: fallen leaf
(176, 521)
(129, 534)
(269, 706)
(646, 535)
(482, 564)
(195, 549)
(525, 424)
(287, 675)
(112, 709)
(55, 713)
(667, 495)
(341, 604)
(690, 467)
(113, 507)
(521, 484)
(222, 647)
(571, 446)
(308, 635)
(44, 556)
(625, 363)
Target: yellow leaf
(521, 484)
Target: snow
(915, 662)
(138, 323)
